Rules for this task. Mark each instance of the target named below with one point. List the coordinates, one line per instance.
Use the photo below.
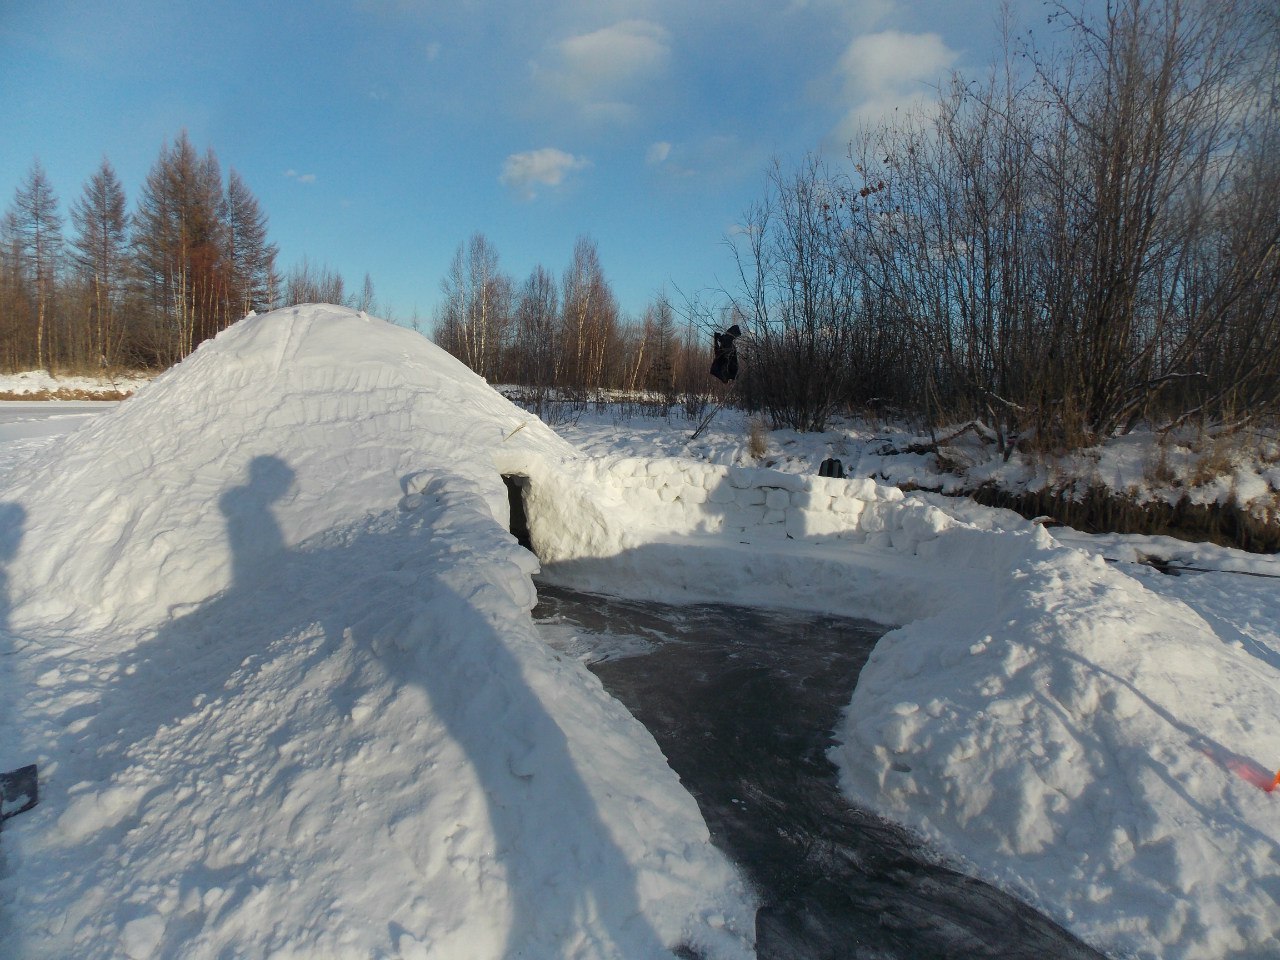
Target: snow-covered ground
(1242, 467)
(266, 634)
(41, 383)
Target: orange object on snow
(1253, 773)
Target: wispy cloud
(888, 71)
(657, 153)
(300, 177)
(548, 167)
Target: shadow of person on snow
(253, 535)
(283, 657)
(12, 525)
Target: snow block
(861, 489)
(873, 519)
(722, 494)
(924, 522)
(848, 507)
(776, 499)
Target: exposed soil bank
(68, 394)
(1103, 511)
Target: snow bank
(1084, 743)
(272, 651)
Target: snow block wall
(679, 496)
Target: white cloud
(601, 71)
(300, 177)
(891, 59)
(548, 167)
(657, 153)
(890, 70)
(616, 55)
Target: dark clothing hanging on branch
(725, 365)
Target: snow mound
(318, 414)
(1085, 743)
(275, 661)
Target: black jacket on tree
(725, 365)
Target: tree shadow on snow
(299, 644)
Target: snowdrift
(273, 654)
(1084, 743)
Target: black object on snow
(725, 365)
(831, 468)
(19, 791)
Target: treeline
(140, 289)
(565, 337)
(1086, 239)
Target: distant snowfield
(270, 642)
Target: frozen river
(742, 702)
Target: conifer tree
(37, 231)
(252, 259)
(179, 245)
(99, 250)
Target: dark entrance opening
(516, 486)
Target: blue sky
(380, 134)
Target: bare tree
(474, 321)
(535, 349)
(252, 258)
(589, 321)
(179, 250)
(306, 283)
(799, 297)
(37, 232)
(100, 249)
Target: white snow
(270, 643)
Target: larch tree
(179, 248)
(37, 230)
(252, 258)
(99, 251)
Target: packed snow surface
(269, 640)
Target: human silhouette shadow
(252, 532)
(375, 606)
